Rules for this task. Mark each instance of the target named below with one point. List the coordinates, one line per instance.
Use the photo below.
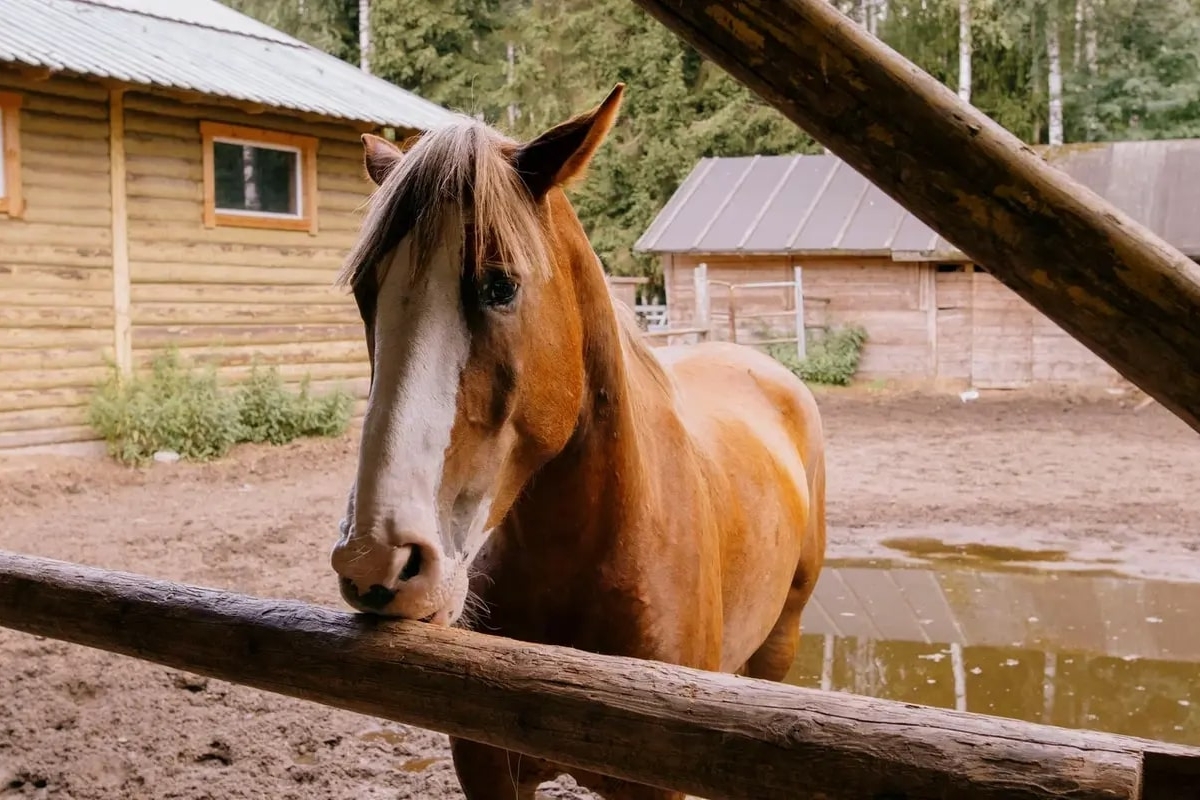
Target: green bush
(179, 409)
(832, 359)
(268, 412)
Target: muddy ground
(1092, 485)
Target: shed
(930, 314)
(174, 174)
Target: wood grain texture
(712, 735)
(1105, 279)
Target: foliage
(831, 359)
(269, 412)
(176, 408)
(328, 25)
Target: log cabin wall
(222, 295)
(56, 267)
(231, 295)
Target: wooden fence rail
(714, 736)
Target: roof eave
(46, 71)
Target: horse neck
(594, 486)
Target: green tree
(329, 25)
(447, 51)
(1147, 83)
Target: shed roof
(818, 204)
(203, 46)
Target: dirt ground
(1094, 484)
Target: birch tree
(1054, 74)
(964, 50)
(364, 35)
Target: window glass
(256, 179)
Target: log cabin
(174, 174)
(933, 317)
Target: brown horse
(524, 448)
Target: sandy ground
(1077, 484)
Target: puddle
(972, 552)
(1080, 651)
(393, 738)
(419, 764)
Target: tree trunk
(1089, 36)
(1116, 287)
(364, 35)
(964, 50)
(1077, 39)
(509, 78)
(1054, 74)
(711, 735)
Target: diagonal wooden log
(1105, 279)
(714, 736)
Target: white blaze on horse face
(421, 347)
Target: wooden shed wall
(56, 300)
(229, 295)
(958, 327)
(681, 295)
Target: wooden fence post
(801, 339)
(701, 314)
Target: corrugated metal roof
(818, 204)
(202, 46)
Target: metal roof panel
(203, 47)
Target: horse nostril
(375, 598)
(412, 567)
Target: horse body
(662, 504)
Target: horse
(531, 467)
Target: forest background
(1050, 71)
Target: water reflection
(1102, 653)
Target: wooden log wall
(925, 325)
(230, 295)
(77, 278)
(56, 288)
(711, 735)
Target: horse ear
(562, 153)
(380, 157)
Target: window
(11, 202)
(259, 179)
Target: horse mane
(637, 350)
(464, 168)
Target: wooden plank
(55, 317)
(199, 314)
(1109, 281)
(122, 336)
(1001, 336)
(237, 268)
(40, 418)
(38, 437)
(638, 720)
(160, 336)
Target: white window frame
(305, 148)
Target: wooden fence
(712, 735)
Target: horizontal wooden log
(1108, 281)
(715, 736)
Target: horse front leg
(490, 773)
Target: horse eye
(497, 290)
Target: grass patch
(831, 360)
(179, 408)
